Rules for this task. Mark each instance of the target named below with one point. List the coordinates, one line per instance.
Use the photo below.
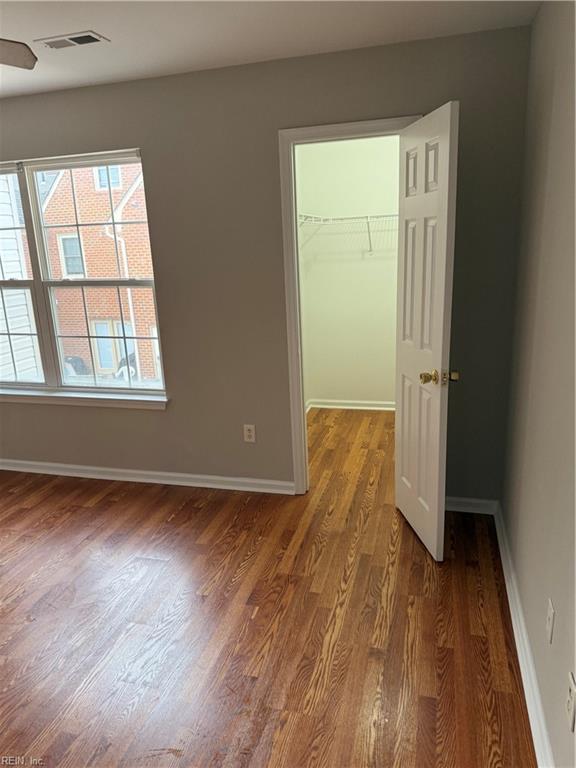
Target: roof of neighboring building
(45, 181)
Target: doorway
(427, 171)
(347, 225)
(295, 145)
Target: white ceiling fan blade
(17, 54)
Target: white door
(428, 156)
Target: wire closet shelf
(339, 234)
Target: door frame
(289, 138)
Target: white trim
(143, 476)
(118, 157)
(353, 405)
(540, 737)
(357, 130)
(292, 293)
(106, 399)
(536, 713)
(288, 139)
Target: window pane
(27, 359)
(6, 365)
(19, 311)
(119, 362)
(11, 213)
(14, 255)
(68, 309)
(55, 199)
(56, 240)
(110, 359)
(105, 353)
(146, 372)
(21, 351)
(102, 305)
(134, 250)
(99, 251)
(139, 310)
(92, 198)
(76, 362)
(95, 228)
(73, 201)
(97, 247)
(130, 201)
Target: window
(108, 177)
(71, 253)
(100, 332)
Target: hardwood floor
(148, 625)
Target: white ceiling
(161, 38)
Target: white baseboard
(143, 476)
(354, 405)
(536, 714)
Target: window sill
(74, 397)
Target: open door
(428, 157)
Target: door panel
(428, 156)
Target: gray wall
(539, 503)
(209, 144)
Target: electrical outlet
(571, 701)
(249, 433)
(550, 621)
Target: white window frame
(54, 389)
(105, 187)
(65, 273)
(156, 350)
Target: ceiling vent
(69, 41)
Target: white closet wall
(347, 199)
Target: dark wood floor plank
(164, 627)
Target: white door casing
(289, 138)
(426, 225)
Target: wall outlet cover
(249, 433)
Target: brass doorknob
(426, 378)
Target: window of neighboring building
(108, 177)
(71, 253)
(83, 261)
